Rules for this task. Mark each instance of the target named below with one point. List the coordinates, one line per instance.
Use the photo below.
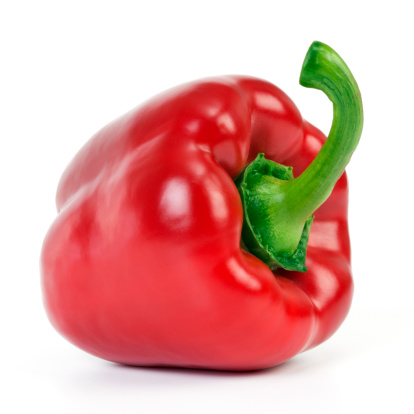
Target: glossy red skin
(143, 264)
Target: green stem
(323, 69)
(277, 207)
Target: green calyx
(261, 186)
(277, 207)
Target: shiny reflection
(213, 109)
(324, 235)
(217, 204)
(313, 143)
(268, 102)
(193, 126)
(176, 203)
(226, 123)
(242, 275)
(326, 285)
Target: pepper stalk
(277, 207)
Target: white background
(68, 68)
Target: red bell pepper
(178, 243)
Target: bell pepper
(207, 228)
